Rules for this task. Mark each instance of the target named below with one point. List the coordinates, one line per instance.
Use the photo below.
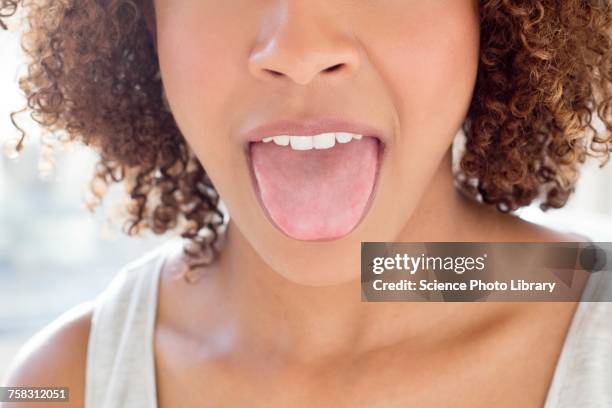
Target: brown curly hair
(544, 70)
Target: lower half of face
(369, 96)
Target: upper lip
(310, 127)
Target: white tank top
(120, 368)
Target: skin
(294, 330)
(391, 77)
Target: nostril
(274, 73)
(333, 68)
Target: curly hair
(544, 71)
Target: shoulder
(55, 356)
(545, 234)
(514, 228)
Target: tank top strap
(120, 368)
(583, 375)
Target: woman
(269, 314)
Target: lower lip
(380, 157)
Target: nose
(301, 43)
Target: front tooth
(344, 137)
(324, 141)
(281, 140)
(301, 142)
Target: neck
(310, 323)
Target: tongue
(315, 194)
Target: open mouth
(315, 188)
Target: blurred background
(55, 254)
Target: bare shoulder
(517, 229)
(55, 356)
(544, 234)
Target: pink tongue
(316, 194)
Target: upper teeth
(322, 141)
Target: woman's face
(400, 70)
